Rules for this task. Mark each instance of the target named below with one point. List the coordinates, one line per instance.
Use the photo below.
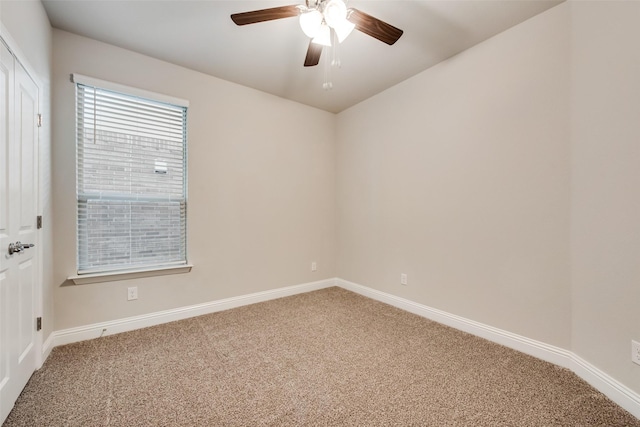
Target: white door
(18, 210)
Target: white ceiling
(268, 56)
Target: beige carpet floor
(329, 357)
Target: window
(131, 178)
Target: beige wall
(606, 185)
(28, 25)
(460, 178)
(504, 182)
(261, 203)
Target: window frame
(130, 272)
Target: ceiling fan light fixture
(323, 37)
(310, 22)
(335, 12)
(343, 29)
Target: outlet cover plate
(132, 293)
(635, 352)
(403, 279)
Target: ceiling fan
(322, 21)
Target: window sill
(112, 276)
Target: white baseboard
(549, 353)
(47, 346)
(613, 389)
(71, 335)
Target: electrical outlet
(403, 279)
(314, 266)
(132, 293)
(635, 352)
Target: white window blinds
(131, 187)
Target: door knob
(19, 247)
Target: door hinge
(38, 323)
(39, 120)
(39, 222)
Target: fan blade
(313, 54)
(374, 27)
(262, 15)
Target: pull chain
(335, 54)
(327, 85)
(334, 61)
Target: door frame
(40, 352)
